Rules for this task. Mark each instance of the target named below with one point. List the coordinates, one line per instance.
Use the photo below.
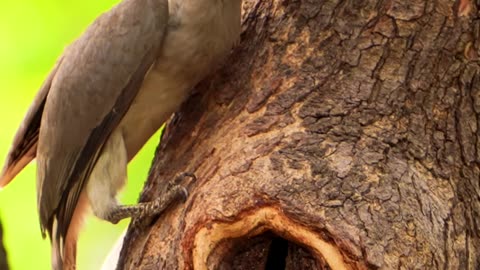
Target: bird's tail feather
(64, 253)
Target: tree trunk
(339, 135)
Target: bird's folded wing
(24, 146)
(92, 89)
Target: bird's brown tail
(64, 251)
(64, 258)
(64, 254)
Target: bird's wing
(93, 88)
(24, 146)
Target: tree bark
(339, 135)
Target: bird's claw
(177, 183)
(180, 178)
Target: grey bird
(108, 93)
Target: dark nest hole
(266, 251)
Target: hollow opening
(277, 255)
(266, 251)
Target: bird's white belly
(159, 96)
(187, 55)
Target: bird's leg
(173, 192)
(109, 175)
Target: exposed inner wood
(257, 222)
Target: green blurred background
(33, 33)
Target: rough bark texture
(341, 134)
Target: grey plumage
(80, 128)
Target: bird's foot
(177, 183)
(174, 191)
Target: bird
(107, 94)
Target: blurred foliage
(33, 33)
